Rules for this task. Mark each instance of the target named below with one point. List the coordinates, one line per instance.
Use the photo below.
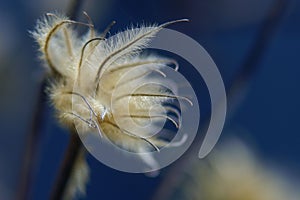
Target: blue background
(264, 113)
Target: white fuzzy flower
(89, 88)
(234, 173)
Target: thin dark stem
(31, 144)
(248, 68)
(75, 144)
(74, 9)
(32, 141)
(267, 30)
(66, 167)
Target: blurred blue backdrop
(266, 114)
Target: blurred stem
(32, 141)
(74, 9)
(251, 62)
(32, 144)
(242, 77)
(75, 145)
(70, 157)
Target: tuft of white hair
(103, 85)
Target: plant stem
(66, 167)
(32, 144)
(32, 141)
(74, 9)
(75, 144)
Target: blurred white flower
(234, 173)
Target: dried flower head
(234, 173)
(95, 81)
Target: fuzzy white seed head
(103, 85)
